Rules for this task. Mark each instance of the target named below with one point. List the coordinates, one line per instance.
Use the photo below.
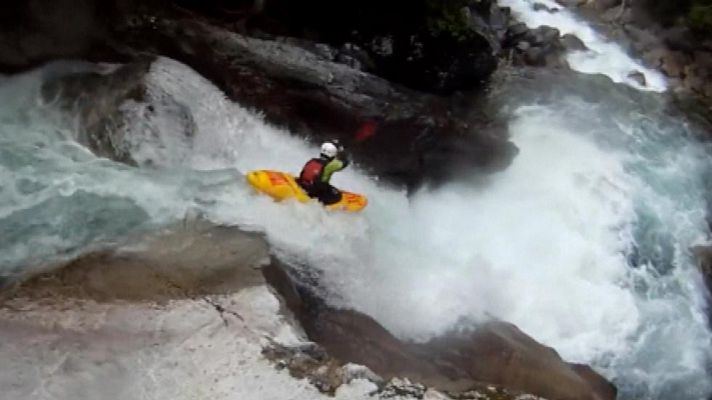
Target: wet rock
(382, 45)
(436, 47)
(37, 31)
(654, 57)
(325, 51)
(704, 260)
(498, 20)
(539, 47)
(698, 77)
(493, 352)
(673, 63)
(490, 392)
(535, 56)
(191, 260)
(680, 38)
(118, 115)
(572, 3)
(416, 132)
(308, 362)
(398, 388)
(703, 59)
(489, 21)
(440, 66)
(638, 77)
(417, 136)
(611, 15)
(516, 31)
(603, 4)
(355, 57)
(544, 36)
(573, 43)
(352, 372)
(187, 306)
(544, 7)
(642, 40)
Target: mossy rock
(700, 18)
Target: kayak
(283, 186)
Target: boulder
(515, 32)
(642, 39)
(544, 36)
(673, 63)
(572, 3)
(537, 47)
(573, 43)
(437, 47)
(544, 7)
(680, 38)
(494, 352)
(182, 262)
(638, 77)
(610, 15)
(499, 19)
(37, 31)
(355, 57)
(707, 90)
(535, 56)
(703, 60)
(603, 4)
(116, 111)
(654, 57)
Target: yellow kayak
(282, 186)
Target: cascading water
(602, 56)
(583, 242)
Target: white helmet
(329, 150)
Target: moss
(666, 11)
(700, 18)
(448, 18)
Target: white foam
(542, 244)
(602, 56)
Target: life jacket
(311, 173)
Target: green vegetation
(700, 17)
(696, 13)
(448, 18)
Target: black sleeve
(345, 159)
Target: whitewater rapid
(583, 242)
(600, 57)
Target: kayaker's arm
(331, 167)
(345, 159)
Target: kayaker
(316, 174)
